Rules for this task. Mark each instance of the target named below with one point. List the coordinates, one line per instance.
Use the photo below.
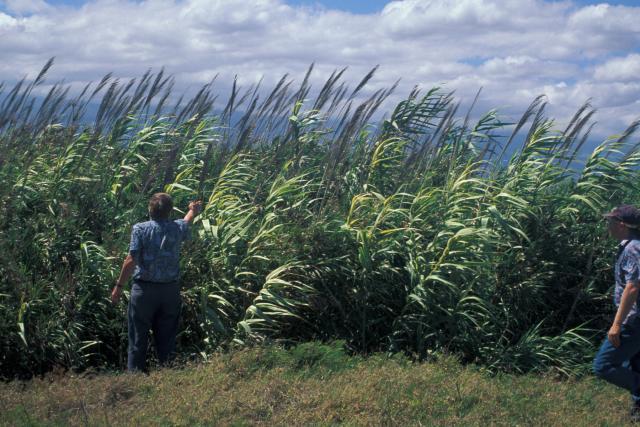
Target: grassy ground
(311, 384)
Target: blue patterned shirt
(155, 247)
(627, 270)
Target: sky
(571, 51)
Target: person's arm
(194, 210)
(629, 297)
(128, 266)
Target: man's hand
(614, 335)
(116, 293)
(195, 206)
(194, 209)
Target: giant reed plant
(427, 233)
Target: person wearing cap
(153, 261)
(618, 360)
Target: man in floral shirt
(153, 261)
(618, 360)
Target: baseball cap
(628, 214)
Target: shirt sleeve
(631, 267)
(185, 231)
(135, 246)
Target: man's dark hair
(160, 206)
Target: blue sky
(366, 6)
(362, 6)
(355, 6)
(513, 49)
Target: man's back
(155, 246)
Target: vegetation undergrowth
(312, 384)
(425, 233)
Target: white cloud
(619, 69)
(604, 28)
(605, 17)
(514, 49)
(7, 23)
(26, 6)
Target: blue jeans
(152, 306)
(621, 366)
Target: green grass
(312, 384)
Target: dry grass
(252, 387)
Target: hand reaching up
(195, 206)
(194, 209)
